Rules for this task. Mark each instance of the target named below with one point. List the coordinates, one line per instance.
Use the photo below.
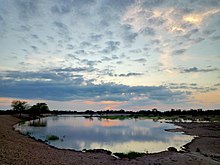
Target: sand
(18, 149)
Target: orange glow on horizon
(5, 101)
(101, 102)
(208, 99)
(106, 104)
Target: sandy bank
(18, 149)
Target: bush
(173, 149)
(52, 137)
(130, 155)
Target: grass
(215, 118)
(22, 121)
(130, 155)
(28, 133)
(52, 137)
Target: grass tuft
(52, 137)
(130, 155)
(22, 121)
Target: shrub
(52, 137)
(173, 149)
(130, 155)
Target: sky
(110, 54)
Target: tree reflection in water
(38, 123)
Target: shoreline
(16, 148)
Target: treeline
(153, 112)
(22, 107)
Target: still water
(78, 133)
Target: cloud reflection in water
(140, 135)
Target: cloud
(78, 40)
(192, 87)
(66, 6)
(114, 57)
(2, 26)
(62, 29)
(34, 48)
(70, 46)
(140, 60)
(50, 38)
(127, 33)
(106, 59)
(34, 36)
(118, 4)
(107, 71)
(217, 85)
(1, 19)
(60, 25)
(153, 3)
(155, 41)
(195, 69)
(80, 52)
(119, 62)
(61, 9)
(85, 44)
(156, 22)
(130, 74)
(148, 31)
(91, 63)
(111, 46)
(24, 28)
(63, 87)
(70, 69)
(175, 25)
(179, 52)
(96, 37)
(27, 8)
(136, 51)
(81, 3)
(215, 38)
(30, 76)
(2, 22)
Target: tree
(39, 108)
(19, 106)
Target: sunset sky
(110, 54)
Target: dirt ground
(17, 149)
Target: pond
(78, 133)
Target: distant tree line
(22, 107)
(153, 112)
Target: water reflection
(140, 135)
(41, 122)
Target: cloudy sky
(110, 54)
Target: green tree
(19, 106)
(39, 108)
